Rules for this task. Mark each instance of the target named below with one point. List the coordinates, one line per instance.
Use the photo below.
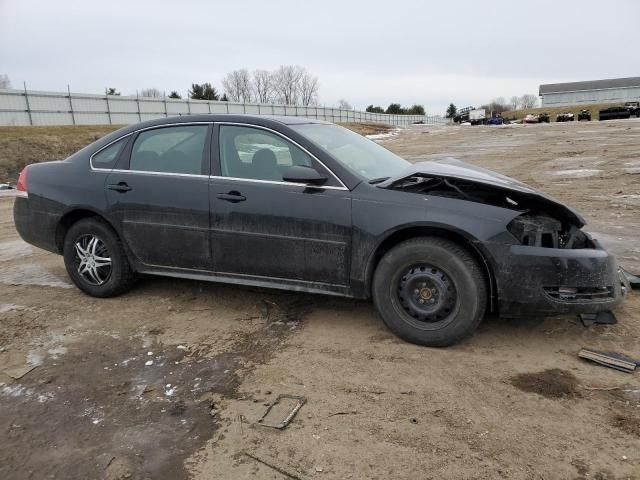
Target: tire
(99, 277)
(405, 275)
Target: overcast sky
(371, 51)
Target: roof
(590, 85)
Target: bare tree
(344, 105)
(262, 83)
(150, 92)
(308, 89)
(286, 83)
(514, 102)
(499, 101)
(4, 81)
(528, 100)
(237, 86)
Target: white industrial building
(614, 90)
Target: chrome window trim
(251, 125)
(236, 179)
(145, 172)
(275, 182)
(137, 131)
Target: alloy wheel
(92, 259)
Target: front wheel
(95, 259)
(430, 291)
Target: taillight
(21, 187)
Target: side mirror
(302, 174)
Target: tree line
(288, 85)
(397, 109)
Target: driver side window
(254, 153)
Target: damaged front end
(545, 264)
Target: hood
(454, 169)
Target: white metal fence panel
(29, 107)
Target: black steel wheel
(427, 294)
(430, 291)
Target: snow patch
(577, 173)
(10, 307)
(383, 136)
(14, 249)
(30, 274)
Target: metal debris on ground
(286, 471)
(602, 318)
(289, 404)
(634, 280)
(611, 360)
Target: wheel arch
(409, 232)
(74, 215)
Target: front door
(265, 227)
(160, 198)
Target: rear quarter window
(107, 157)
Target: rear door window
(169, 150)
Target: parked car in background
(543, 117)
(530, 118)
(612, 113)
(565, 117)
(495, 120)
(305, 205)
(584, 115)
(633, 107)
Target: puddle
(113, 410)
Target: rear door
(159, 196)
(263, 226)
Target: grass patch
(367, 128)
(20, 146)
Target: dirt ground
(169, 381)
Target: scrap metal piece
(611, 360)
(602, 318)
(299, 402)
(634, 280)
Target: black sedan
(305, 205)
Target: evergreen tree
(203, 92)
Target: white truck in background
(472, 115)
(478, 116)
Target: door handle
(233, 196)
(121, 187)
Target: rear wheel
(430, 291)
(95, 259)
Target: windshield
(359, 154)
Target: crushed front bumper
(532, 281)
